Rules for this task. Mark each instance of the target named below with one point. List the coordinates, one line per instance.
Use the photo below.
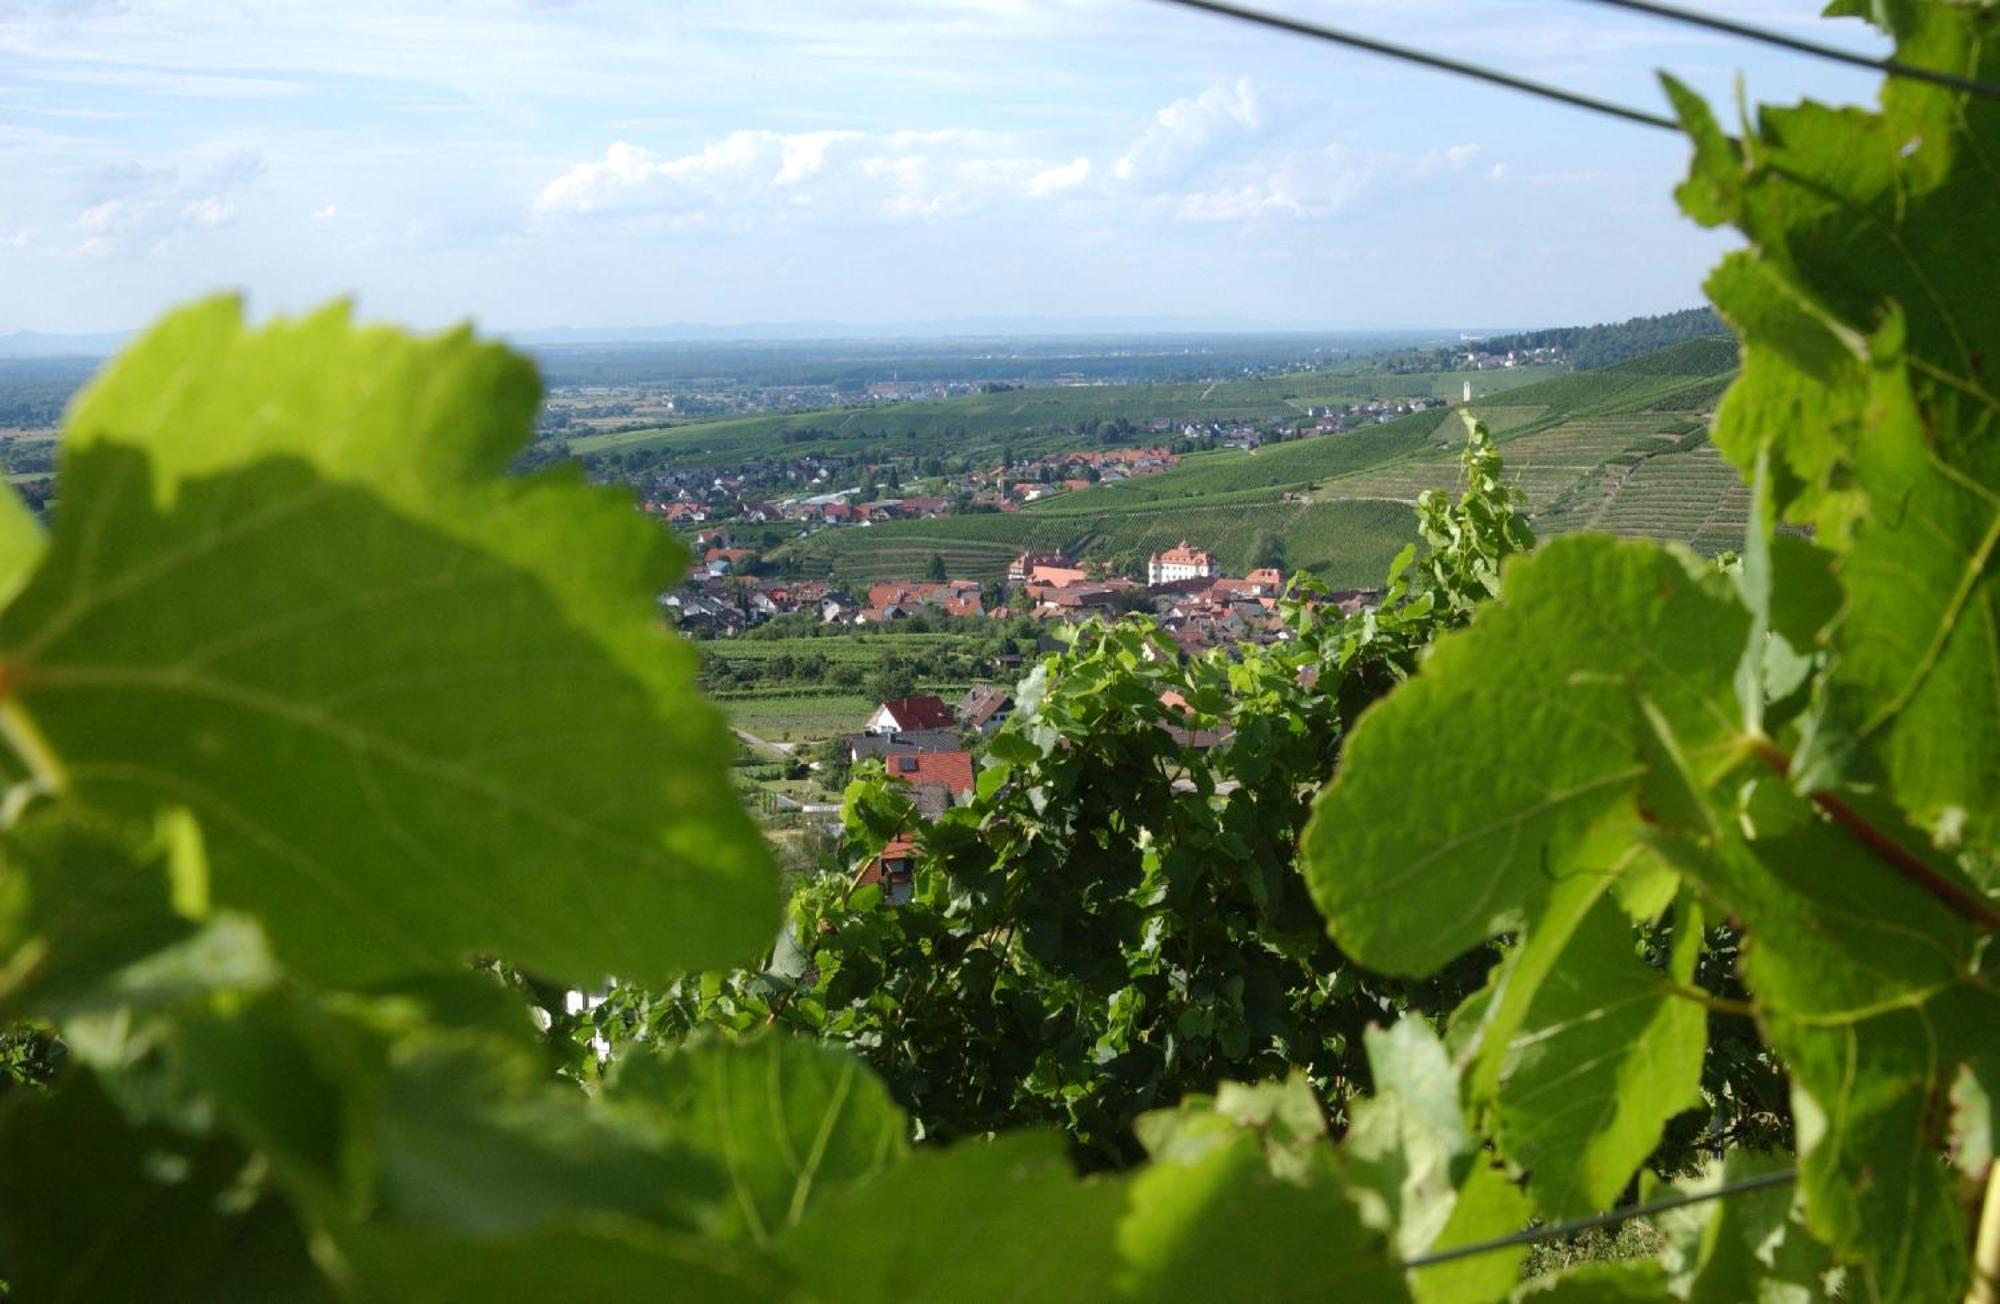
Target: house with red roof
(939, 778)
(894, 869)
(910, 714)
(1181, 562)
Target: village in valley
(930, 741)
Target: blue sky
(536, 163)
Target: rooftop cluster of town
(815, 488)
(1185, 590)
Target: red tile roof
(951, 771)
(1186, 555)
(912, 713)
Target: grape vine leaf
(372, 1115)
(1920, 640)
(794, 1125)
(79, 902)
(1605, 1054)
(96, 1210)
(1867, 373)
(984, 1220)
(1872, 991)
(1223, 1226)
(609, 1261)
(1749, 1246)
(1417, 1171)
(419, 714)
(1459, 802)
(22, 543)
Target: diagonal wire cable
(1798, 45)
(1425, 59)
(1557, 1230)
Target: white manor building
(1180, 563)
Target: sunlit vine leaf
(1418, 1171)
(1463, 797)
(1869, 375)
(420, 711)
(1873, 992)
(1604, 1055)
(1748, 1246)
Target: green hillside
(1624, 449)
(1044, 417)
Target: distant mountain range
(38, 344)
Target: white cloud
(1187, 132)
(1055, 180)
(208, 212)
(101, 219)
(1298, 184)
(752, 175)
(189, 192)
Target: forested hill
(1590, 347)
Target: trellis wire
(1457, 67)
(1555, 1231)
(1799, 45)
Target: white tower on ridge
(1468, 391)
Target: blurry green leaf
(1489, 1206)
(368, 1112)
(1746, 1247)
(1407, 1144)
(985, 1220)
(22, 543)
(96, 1211)
(1223, 1227)
(606, 1261)
(420, 709)
(79, 901)
(792, 1124)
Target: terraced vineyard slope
(1623, 450)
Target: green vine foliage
(311, 712)
(1809, 748)
(1115, 919)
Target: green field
(865, 649)
(808, 715)
(1345, 543)
(1031, 420)
(798, 717)
(1341, 503)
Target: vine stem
(1961, 900)
(1710, 1001)
(1986, 1250)
(45, 767)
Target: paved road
(782, 749)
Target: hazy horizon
(871, 164)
